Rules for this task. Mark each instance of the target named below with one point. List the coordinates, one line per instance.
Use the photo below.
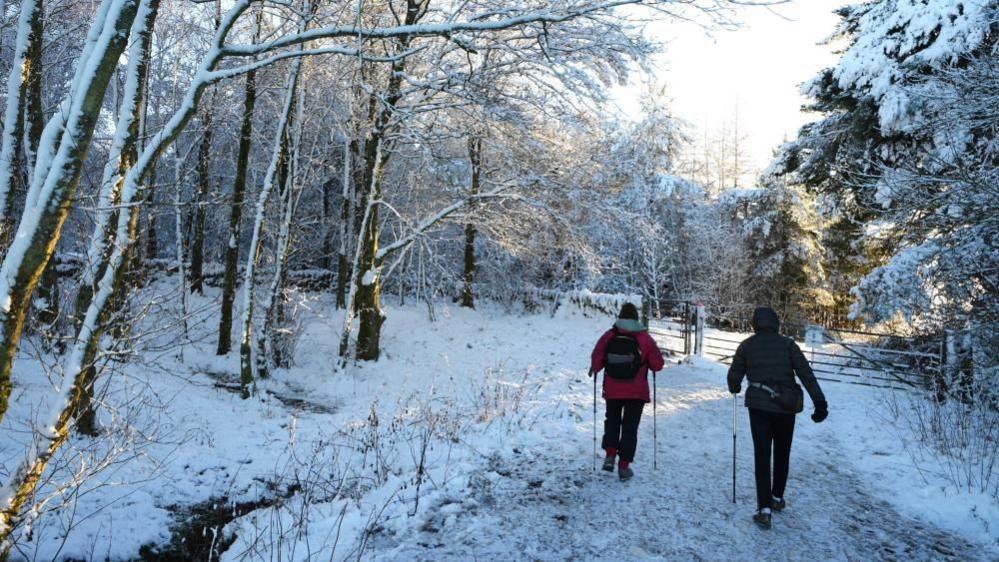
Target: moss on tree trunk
(25, 274)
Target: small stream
(197, 533)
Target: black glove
(735, 389)
(591, 373)
(821, 412)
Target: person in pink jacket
(625, 353)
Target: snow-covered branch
(444, 213)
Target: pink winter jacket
(638, 387)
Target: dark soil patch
(228, 382)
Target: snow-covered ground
(497, 409)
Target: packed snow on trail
(472, 438)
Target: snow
(369, 277)
(506, 401)
(900, 286)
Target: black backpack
(623, 358)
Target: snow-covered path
(508, 472)
(548, 503)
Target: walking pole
(735, 408)
(655, 441)
(594, 375)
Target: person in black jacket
(770, 362)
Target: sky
(757, 68)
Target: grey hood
(629, 325)
(765, 320)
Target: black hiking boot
(763, 519)
(625, 473)
(608, 464)
(778, 504)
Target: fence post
(686, 328)
(950, 358)
(699, 331)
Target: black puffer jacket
(769, 358)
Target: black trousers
(621, 427)
(771, 431)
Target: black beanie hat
(628, 311)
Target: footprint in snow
(638, 552)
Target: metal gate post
(686, 328)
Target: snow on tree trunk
(178, 230)
(235, 215)
(268, 356)
(34, 123)
(52, 425)
(246, 349)
(350, 305)
(346, 225)
(122, 156)
(367, 296)
(49, 196)
(25, 69)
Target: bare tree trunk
(475, 162)
(235, 215)
(197, 249)
(247, 361)
(178, 227)
(25, 75)
(152, 239)
(348, 316)
(268, 355)
(346, 224)
(34, 124)
(367, 303)
(39, 229)
(367, 297)
(123, 154)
